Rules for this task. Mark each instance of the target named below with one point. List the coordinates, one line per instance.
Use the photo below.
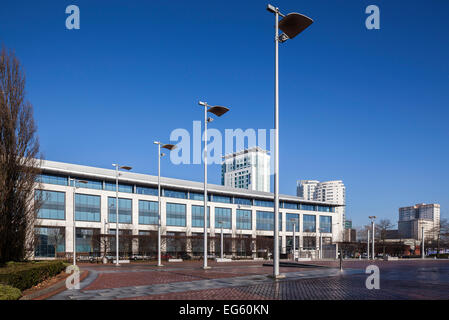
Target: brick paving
(406, 279)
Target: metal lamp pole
(218, 111)
(160, 155)
(294, 240)
(373, 234)
(367, 246)
(117, 167)
(291, 24)
(422, 246)
(221, 244)
(74, 226)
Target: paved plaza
(316, 280)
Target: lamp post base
(278, 277)
(206, 268)
(159, 265)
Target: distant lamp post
(117, 167)
(294, 238)
(221, 240)
(373, 218)
(218, 111)
(291, 24)
(169, 147)
(422, 246)
(75, 182)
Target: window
(85, 240)
(323, 209)
(309, 243)
(176, 214)
(196, 196)
(198, 216)
(264, 220)
(53, 204)
(307, 207)
(243, 201)
(175, 194)
(147, 191)
(87, 207)
(244, 219)
(292, 218)
(264, 203)
(223, 215)
(148, 212)
(309, 223)
(222, 199)
(289, 205)
(90, 184)
(52, 179)
(50, 241)
(124, 210)
(326, 224)
(110, 186)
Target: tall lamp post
(367, 245)
(218, 111)
(294, 238)
(75, 181)
(291, 24)
(169, 147)
(221, 240)
(372, 235)
(422, 245)
(117, 167)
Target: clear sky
(369, 107)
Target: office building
(247, 169)
(412, 219)
(244, 214)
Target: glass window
(147, 191)
(326, 224)
(308, 207)
(175, 194)
(124, 210)
(148, 212)
(244, 201)
(49, 241)
(223, 215)
(176, 214)
(244, 219)
(292, 218)
(289, 205)
(264, 203)
(110, 186)
(198, 216)
(90, 184)
(222, 199)
(87, 207)
(309, 223)
(85, 240)
(52, 179)
(53, 204)
(309, 243)
(323, 209)
(265, 220)
(196, 196)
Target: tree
(381, 230)
(19, 163)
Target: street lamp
(221, 240)
(291, 24)
(169, 147)
(75, 181)
(294, 238)
(422, 246)
(373, 233)
(218, 111)
(117, 167)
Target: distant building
(348, 224)
(326, 191)
(350, 235)
(412, 219)
(247, 169)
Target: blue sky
(369, 107)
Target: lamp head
(169, 146)
(271, 8)
(218, 110)
(294, 23)
(201, 103)
(126, 168)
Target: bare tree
(19, 166)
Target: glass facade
(175, 194)
(244, 201)
(124, 210)
(289, 205)
(225, 216)
(176, 214)
(52, 179)
(49, 241)
(90, 184)
(264, 220)
(292, 218)
(263, 203)
(147, 191)
(110, 186)
(326, 224)
(244, 219)
(222, 199)
(148, 212)
(85, 240)
(198, 216)
(309, 223)
(324, 209)
(307, 207)
(87, 207)
(53, 204)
